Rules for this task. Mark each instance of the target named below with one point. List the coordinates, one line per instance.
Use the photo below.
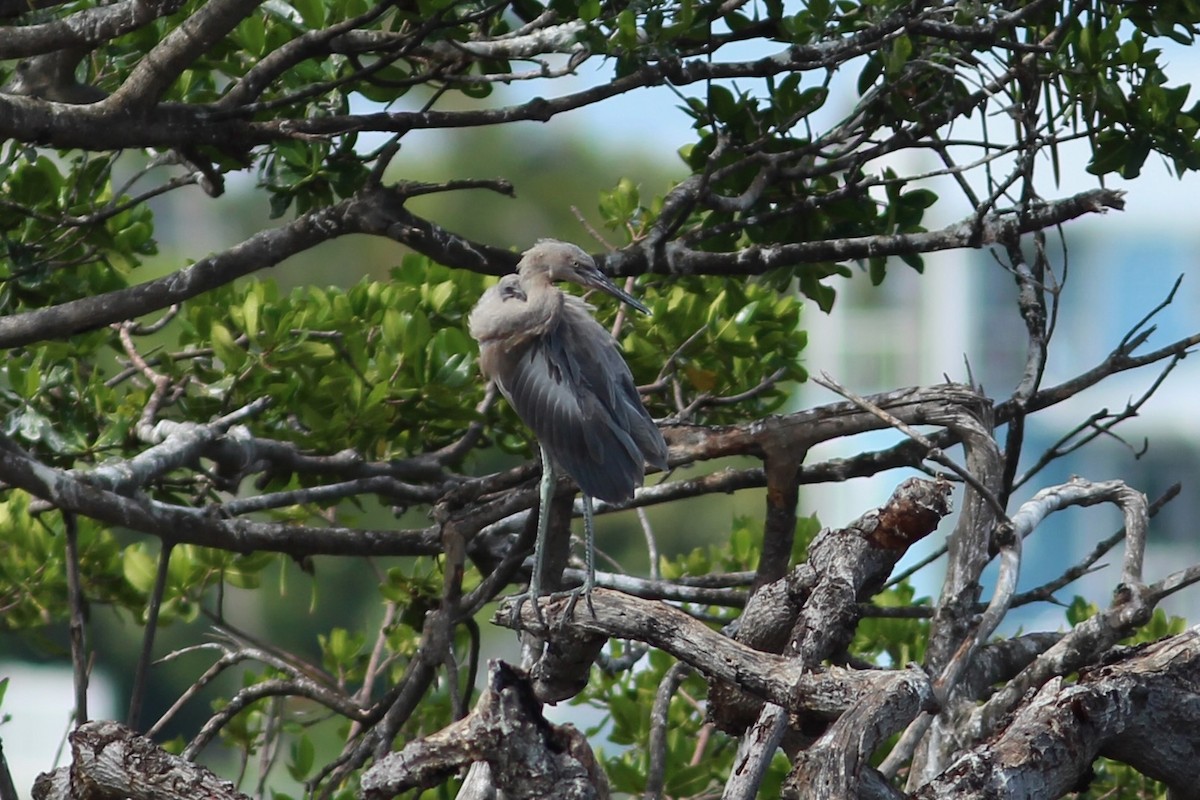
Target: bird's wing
(601, 366)
(574, 390)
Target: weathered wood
(1142, 708)
(527, 756)
(109, 760)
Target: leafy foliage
(826, 135)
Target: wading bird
(563, 373)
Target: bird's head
(562, 261)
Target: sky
(650, 120)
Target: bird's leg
(589, 560)
(543, 530)
(589, 544)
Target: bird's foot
(573, 600)
(519, 600)
(568, 613)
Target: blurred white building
(921, 329)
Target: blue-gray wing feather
(573, 388)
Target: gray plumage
(564, 374)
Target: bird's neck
(518, 319)
(543, 302)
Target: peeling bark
(109, 760)
(1141, 707)
(527, 756)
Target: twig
(473, 653)
(668, 366)
(1134, 334)
(1031, 302)
(656, 747)
(920, 565)
(651, 544)
(1101, 423)
(161, 383)
(591, 229)
(297, 687)
(1046, 591)
(272, 746)
(706, 399)
(141, 671)
(79, 659)
(933, 452)
(456, 451)
(371, 673)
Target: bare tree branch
(88, 26)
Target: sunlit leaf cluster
(383, 366)
(33, 578)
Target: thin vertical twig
(651, 544)
(659, 725)
(76, 626)
(142, 670)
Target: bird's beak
(605, 284)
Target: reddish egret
(563, 373)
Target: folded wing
(571, 386)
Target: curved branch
(783, 681)
(377, 210)
(275, 687)
(264, 249)
(278, 61)
(1139, 708)
(676, 259)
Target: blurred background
(914, 329)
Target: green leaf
(870, 73)
(252, 33)
(722, 103)
(139, 568)
(250, 308)
(303, 755)
(1080, 610)
(226, 348)
(311, 11)
(898, 55)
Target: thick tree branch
(159, 68)
(1140, 707)
(819, 612)
(528, 756)
(179, 525)
(88, 26)
(378, 211)
(780, 680)
(676, 259)
(835, 764)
